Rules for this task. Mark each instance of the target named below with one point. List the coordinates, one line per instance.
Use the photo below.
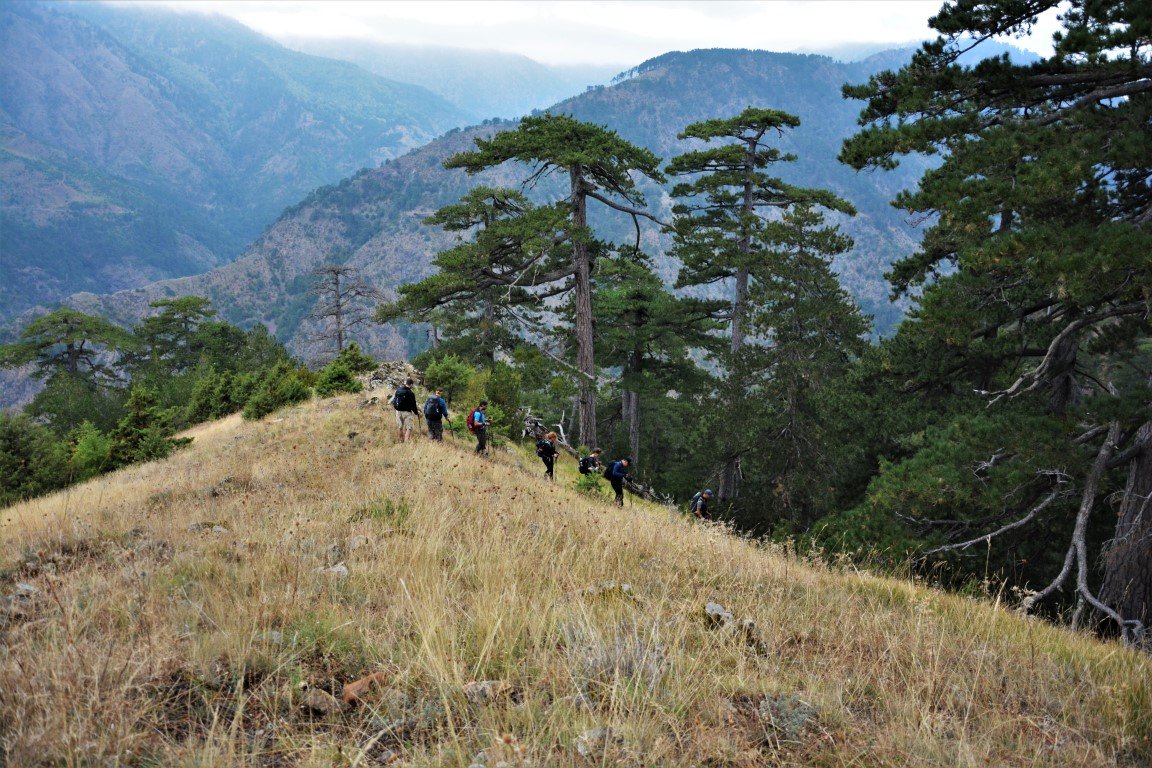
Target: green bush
(336, 377)
(355, 360)
(449, 373)
(91, 452)
(33, 460)
(280, 386)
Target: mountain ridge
(249, 578)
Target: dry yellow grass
(152, 640)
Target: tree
(648, 333)
(599, 165)
(1041, 210)
(814, 333)
(168, 340)
(144, 433)
(33, 460)
(68, 341)
(343, 298)
(487, 291)
(721, 226)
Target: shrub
(91, 452)
(336, 377)
(281, 385)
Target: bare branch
(987, 538)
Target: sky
(598, 31)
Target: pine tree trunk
(631, 409)
(585, 362)
(1127, 586)
(729, 487)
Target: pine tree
(648, 333)
(721, 229)
(487, 291)
(1041, 211)
(599, 165)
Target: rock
(487, 691)
(354, 543)
(340, 571)
(391, 374)
(24, 588)
(274, 636)
(322, 702)
(218, 529)
(717, 615)
(595, 743)
(354, 691)
(335, 552)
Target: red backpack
(470, 422)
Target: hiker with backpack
(546, 450)
(477, 423)
(698, 506)
(404, 401)
(616, 473)
(436, 413)
(591, 462)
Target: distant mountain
(138, 144)
(485, 84)
(374, 219)
(898, 54)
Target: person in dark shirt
(698, 506)
(546, 450)
(404, 402)
(616, 473)
(435, 414)
(591, 462)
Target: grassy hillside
(176, 613)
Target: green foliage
(67, 341)
(280, 386)
(336, 377)
(145, 432)
(33, 460)
(589, 484)
(355, 360)
(450, 374)
(502, 391)
(91, 452)
(68, 400)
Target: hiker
(617, 473)
(546, 450)
(435, 413)
(591, 462)
(698, 506)
(477, 424)
(404, 401)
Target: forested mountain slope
(373, 220)
(210, 608)
(140, 144)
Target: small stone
(717, 615)
(339, 571)
(218, 529)
(335, 552)
(357, 542)
(24, 588)
(274, 636)
(322, 702)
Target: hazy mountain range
(138, 144)
(144, 150)
(485, 84)
(373, 220)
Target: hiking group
(436, 413)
